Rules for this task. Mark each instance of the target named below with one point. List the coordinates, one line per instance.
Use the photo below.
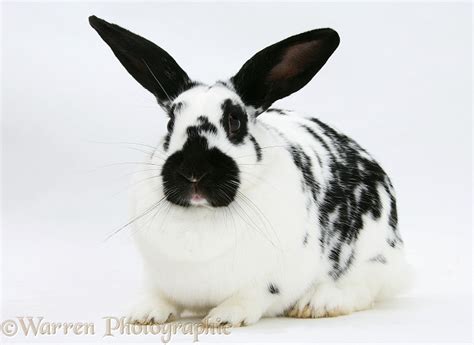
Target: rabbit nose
(192, 177)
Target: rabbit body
(313, 232)
(246, 211)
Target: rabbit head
(211, 127)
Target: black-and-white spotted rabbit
(250, 211)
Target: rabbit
(247, 211)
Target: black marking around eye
(258, 149)
(273, 289)
(228, 109)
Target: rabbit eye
(170, 125)
(234, 124)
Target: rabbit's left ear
(284, 67)
(150, 65)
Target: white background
(400, 84)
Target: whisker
(246, 218)
(135, 219)
(259, 211)
(121, 143)
(128, 163)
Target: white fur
(220, 260)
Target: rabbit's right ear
(150, 65)
(284, 67)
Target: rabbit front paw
(153, 309)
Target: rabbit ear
(150, 65)
(284, 67)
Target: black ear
(284, 67)
(150, 65)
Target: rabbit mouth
(207, 192)
(198, 199)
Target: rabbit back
(343, 186)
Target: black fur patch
(175, 109)
(166, 143)
(203, 126)
(318, 138)
(393, 218)
(218, 173)
(273, 289)
(258, 149)
(278, 111)
(206, 126)
(339, 266)
(304, 164)
(235, 110)
(351, 193)
(172, 112)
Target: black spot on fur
(304, 164)
(396, 240)
(273, 289)
(206, 126)
(166, 143)
(339, 266)
(175, 109)
(393, 220)
(192, 131)
(305, 239)
(318, 138)
(278, 111)
(237, 112)
(379, 258)
(258, 149)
